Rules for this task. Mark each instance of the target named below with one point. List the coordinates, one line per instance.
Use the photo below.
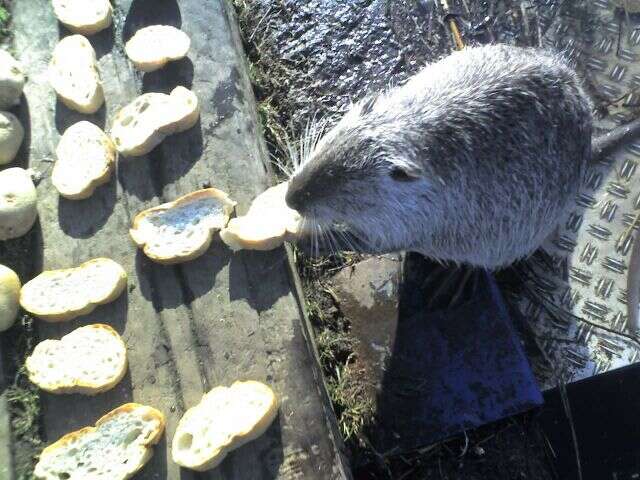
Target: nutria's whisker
(334, 245)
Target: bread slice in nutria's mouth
(269, 223)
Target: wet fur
(474, 160)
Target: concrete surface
(188, 328)
(369, 298)
(437, 359)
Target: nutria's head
(364, 178)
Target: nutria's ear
(401, 172)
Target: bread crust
(101, 179)
(85, 28)
(58, 75)
(186, 104)
(232, 236)
(162, 58)
(49, 316)
(141, 242)
(150, 412)
(239, 235)
(188, 121)
(79, 386)
(235, 441)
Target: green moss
(5, 18)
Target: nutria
(474, 160)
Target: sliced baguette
(141, 125)
(85, 17)
(11, 137)
(269, 223)
(12, 81)
(73, 74)
(61, 295)
(117, 447)
(89, 360)
(151, 48)
(182, 230)
(225, 419)
(85, 159)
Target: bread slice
(115, 449)
(60, 295)
(140, 126)
(183, 111)
(11, 137)
(225, 419)
(12, 80)
(73, 74)
(85, 17)
(151, 48)
(86, 159)
(18, 203)
(89, 360)
(182, 230)
(268, 223)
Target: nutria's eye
(399, 174)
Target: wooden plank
(189, 327)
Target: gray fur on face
(474, 160)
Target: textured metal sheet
(575, 296)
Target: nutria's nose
(295, 194)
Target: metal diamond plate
(575, 293)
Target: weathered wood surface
(220, 318)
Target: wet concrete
(337, 51)
(368, 296)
